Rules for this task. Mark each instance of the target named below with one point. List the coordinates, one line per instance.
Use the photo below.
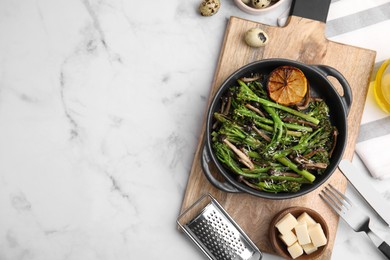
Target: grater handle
(224, 186)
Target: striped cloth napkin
(373, 147)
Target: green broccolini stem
(284, 178)
(302, 145)
(279, 187)
(278, 126)
(264, 122)
(257, 170)
(246, 93)
(298, 127)
(283, 160)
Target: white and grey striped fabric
(374, 129)
(365, 24)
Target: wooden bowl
(278, 245)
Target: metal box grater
(210, 227)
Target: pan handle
(224, 186)
(330, 71)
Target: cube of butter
(317, 235)
(288, 238)
(286, 224)
(309, 248)
(304, 217)
(302, 233)
(295, 250)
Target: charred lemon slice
(287, 85)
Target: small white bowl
(251, 10)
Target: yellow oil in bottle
(382, 87)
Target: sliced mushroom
(309, 164)
(313, 152)
(243, 158)
(261, 133)
(299, 121)
(254, 109)
(252, 78)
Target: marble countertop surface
(101, 104)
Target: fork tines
(335, 199)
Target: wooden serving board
(303, 40)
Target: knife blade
(366, 190)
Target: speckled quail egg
(260, 3)
(209, 7)
(256, 37)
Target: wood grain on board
(302, 40)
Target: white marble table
(101, 104)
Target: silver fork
(354, 217)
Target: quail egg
(209, 7)
(256, 37)
(260, 3)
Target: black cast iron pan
(320, 86)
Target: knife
(366, 190)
